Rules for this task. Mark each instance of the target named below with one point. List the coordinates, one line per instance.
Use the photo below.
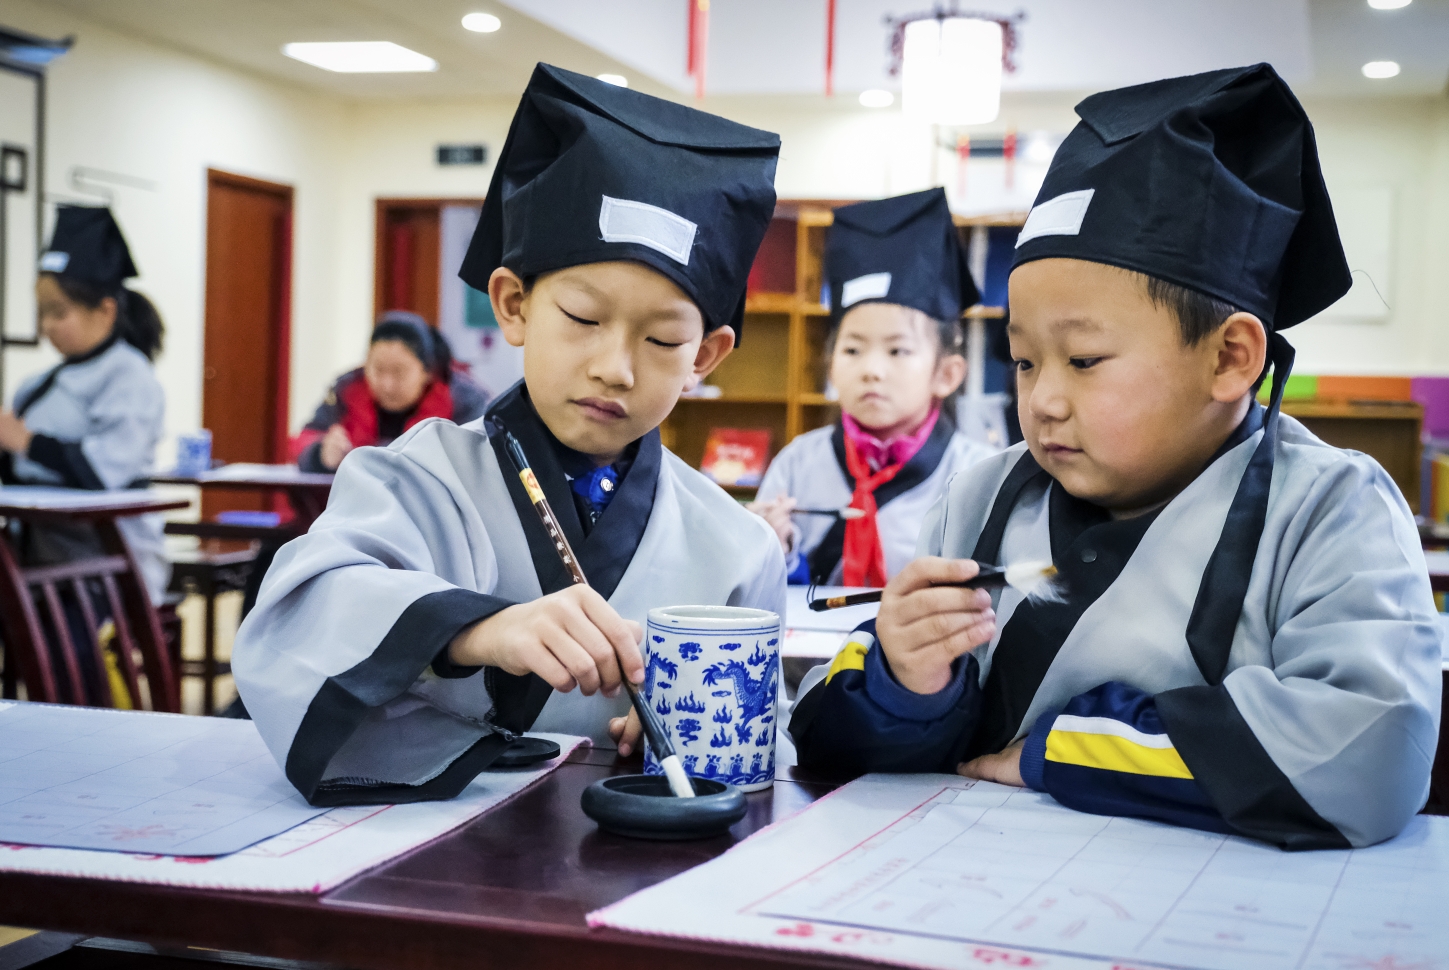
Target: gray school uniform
(811, 469)
(1335, 663)
(342, 664)
(97, 420)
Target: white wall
(125, 105)
(842, 152)
(1404, 145)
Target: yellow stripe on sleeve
(850, 657)
(1112, 753)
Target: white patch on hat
(54, 262)
(873, 286)
(622, 221)
(1061, 216)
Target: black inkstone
(642, 807)
(525, 753)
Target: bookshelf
(776, 378)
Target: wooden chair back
(34, 603)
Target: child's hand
(335, 446)
(626, 732)
(1004, 767)
(572, 638)
(776, 511)
(924, 625)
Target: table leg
(208, 666)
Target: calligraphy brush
(1036, 580)
(653, 729)
(846, 513)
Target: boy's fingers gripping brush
(653, 729)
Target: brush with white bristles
(847, 513)
(1037, 581)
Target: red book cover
(736, 456)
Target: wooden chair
(41, 606)
(208, 573)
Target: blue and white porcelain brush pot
(712, 673)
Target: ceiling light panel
(481, 23)
(1388, 4)
(877, 98)
(361, 57)
(1378, 70)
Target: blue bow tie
(597, 488)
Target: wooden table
(509, 890)
(306, 491)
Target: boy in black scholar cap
(426, 619)
(1247, 641)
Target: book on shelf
(736, 456)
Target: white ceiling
(776, 47)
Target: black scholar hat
(592, 172)
(87, 245)
(1209, 181)
(901, 250)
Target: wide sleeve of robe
(333, 662)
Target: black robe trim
(43, 388)
(345, 699)
(923, 465)
(1090, 550)
(604, 553)
(66, 459)
(1240, 778)
(1227, 760)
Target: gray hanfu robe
(342, 664)
(96, 419)
(812, 470)
(1315, 728)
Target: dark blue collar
(604, 551)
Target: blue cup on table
(712, 673)
(193, 453)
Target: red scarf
(359, 410)
(863, 556)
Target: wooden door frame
(382, 206)
(282, 332)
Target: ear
(509, 298)
(108, 309)
(1241, 347)
(713, 349)
(950, 372)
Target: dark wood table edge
(248, 484)
(98, 511)
(366, 935)
(358, 935)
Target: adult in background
(408, 376)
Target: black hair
(428, 347)
(1198, 315)
(137, 321)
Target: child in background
(898, 286)
(425, 620)
(1246, 641)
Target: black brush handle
(990, 577)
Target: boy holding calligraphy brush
(847, 501)
(427, 618)
(1246, 640)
